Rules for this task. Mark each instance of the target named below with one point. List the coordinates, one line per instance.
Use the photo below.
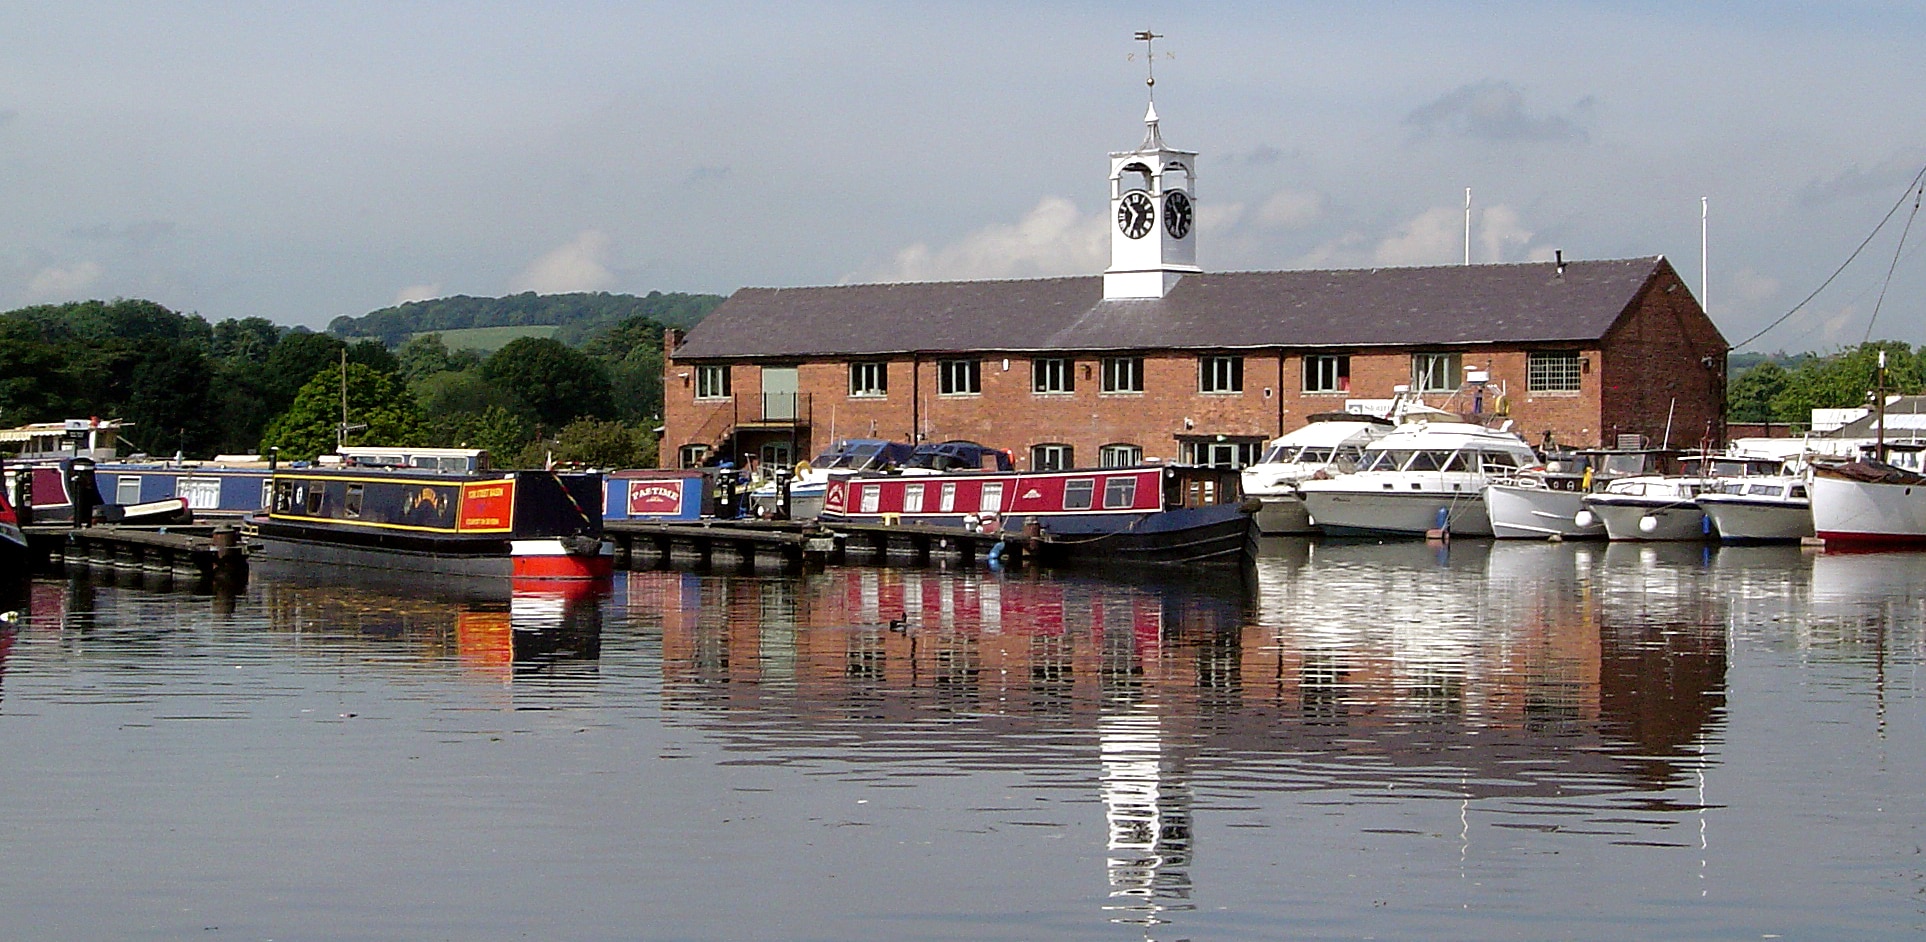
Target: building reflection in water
(1477, 673)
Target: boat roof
(1335, 432)
(1426, 434)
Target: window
(1552, 371)
(1119, 456)
(1123, 374)
(1051, 376)
(1049, 457)
(869, 379)
(352, 507)
(127, 489)
(1223, 454)
(1327, 373)
(991, 499)
(1077, 493)
(959, 377)
(912, 498)
(692, 456)
(712, 382)
(1220, 374)
(1120, 493)
(1434, 372)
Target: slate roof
(1445, 305)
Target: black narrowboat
(521, 524)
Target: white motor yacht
(1772, 508)
(1650, 507)
(1332, 444)
(1540, 504)
(1425, 475)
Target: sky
(302, 161)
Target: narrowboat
(523, 524)
(67, 492)
(14, 555)
(1162, 514)
(669, 494)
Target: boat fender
(1647, 524)
(582, 545)
(1584, 519)
(1250, 505)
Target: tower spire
(1153, 138)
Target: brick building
(1156, 359)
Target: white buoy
(1584, 519)
(1648, 524)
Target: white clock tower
(1153, 214)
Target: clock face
(1136, 214)
(1177, 214)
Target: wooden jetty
(763, 545)
(200, 552)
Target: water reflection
(492, 627)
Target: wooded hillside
(577, 315)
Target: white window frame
(1554, 371)
(1445, 367)
(959, 377)
(712, 382)
(1053, 376)
(1051, 456)
(1220, 375)
(869, 379)
(1327, 373)
(1120, 455)
(1123, 375)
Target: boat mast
(1879, 405)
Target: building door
(779, 387)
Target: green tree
(167, 400)
(1847, 378)
(596, 443)
(34, 385)
(1749, 398)
(632, 351)
(450, 392)
(557, 383)
(375, 399)
(501, 432)
(297, 358)
(249, 338)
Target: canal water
(1361, 741)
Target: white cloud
(581, 265)
(1435, 237)
(1501, 236)
(55, 283)
(418, 293)
(1052, 239)
(1290, 209)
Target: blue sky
(304, 161)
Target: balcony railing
(780, 409)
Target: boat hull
(1868, 513)
(1671, 520)
(1222, 534)
(1282, 515)
(1396, 513)
(1537, 513)
(519, 559)
(1739, 520)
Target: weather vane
(1150, 59)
